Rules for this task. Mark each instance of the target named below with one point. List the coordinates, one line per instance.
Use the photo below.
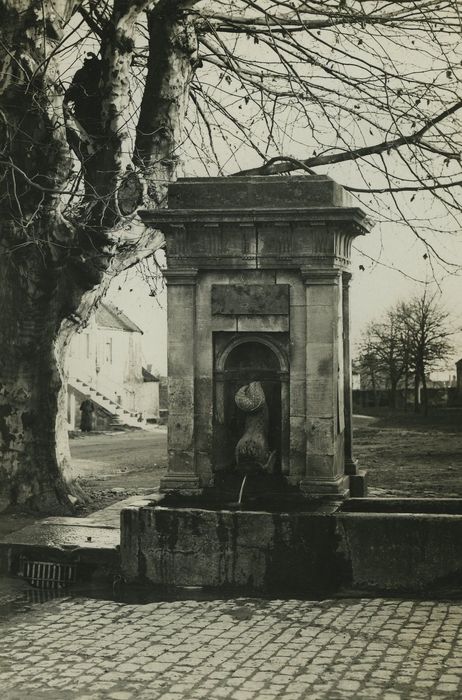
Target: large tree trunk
(36, 243)
(53, 271)
(34, 470)
(171, 63)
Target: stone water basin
(289, 548)
(402, 544)
(299, 547)
(435, 506)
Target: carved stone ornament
(252, 450)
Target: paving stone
(328, 650)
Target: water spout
(239, 500)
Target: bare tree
(429, 331)
(86, 140)
(385, 352)
(412, 338)
(70, 183)
(367, 363)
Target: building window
(87, 345)
(108, 351)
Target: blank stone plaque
(250, 299)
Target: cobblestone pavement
(242, 649)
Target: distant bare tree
(429, 331)
(367, 362)
(413, 337)
(384, 352)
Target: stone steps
(120, 416)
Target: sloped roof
(148, 376)
(109, 316)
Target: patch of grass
(444, 419)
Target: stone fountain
(259, 431)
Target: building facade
(105, 362)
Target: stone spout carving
(253, 446)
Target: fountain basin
(402, 544)
(243, 549)
(375, 545)
(435, 506)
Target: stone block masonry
(273, 552)
(264, 260)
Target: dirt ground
(111, 467)
(411, 455)
(405, 454)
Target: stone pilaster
(350, 463)
(181, 293)
(357, 478)
(324, 470)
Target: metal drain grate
(48, 575)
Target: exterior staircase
(121, 417)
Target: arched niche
(239, 360)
